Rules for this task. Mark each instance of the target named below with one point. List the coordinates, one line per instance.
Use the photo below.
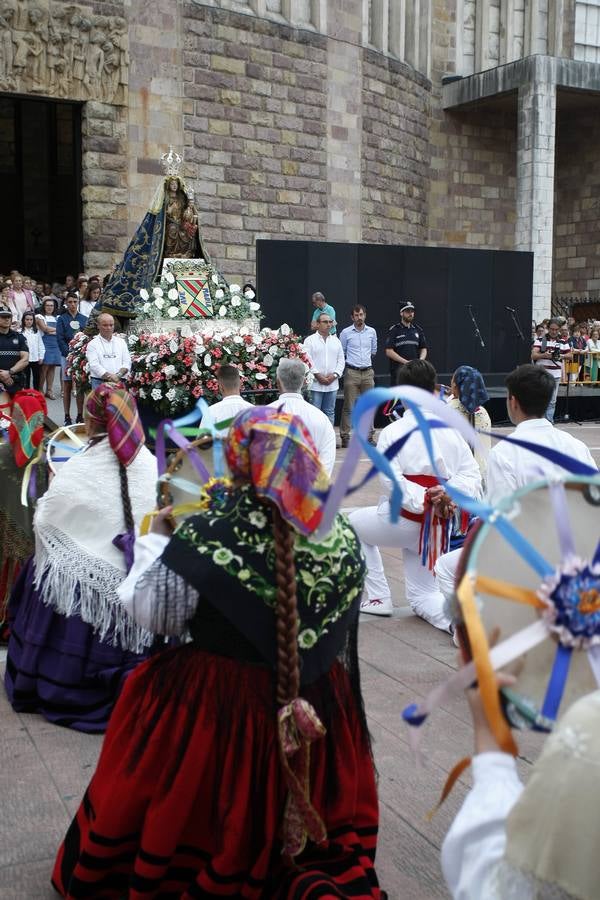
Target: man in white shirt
(107, 354)
(327, 357)
(290, 378)
(232, 403)
(549, 353)
(511, 467)
(415, 475)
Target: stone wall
(577, 206)
(472, 189)
(255, 122)
(395, 151)
(105, 195)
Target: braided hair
(126, 500)
(286, 611)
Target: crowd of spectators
(43, 312)
(579, 345)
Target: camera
(556, 355)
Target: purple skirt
(56, 666)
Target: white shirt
(139, 603)
(107, 356)
(227, 408)
(477, 838)
(453, 457)
(511, 467)
(317, 423)
(85, 307)
(327, 357)
(35, 343)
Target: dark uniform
(406, 341)
(11, 345)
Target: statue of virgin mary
(168, 230)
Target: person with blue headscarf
(469, 393)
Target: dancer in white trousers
(414, 472)
(511, 467)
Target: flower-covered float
(180, 316)
(171, 371)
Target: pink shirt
(19, 303)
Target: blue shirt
(328, 310)
(65, 331)
(359, 346)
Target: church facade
(462, 123)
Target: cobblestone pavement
(44, 769)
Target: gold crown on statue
(171, 162)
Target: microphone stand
(475, 326)
(566, 418)
(519, 336)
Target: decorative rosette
(572, 600)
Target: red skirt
(195, 810)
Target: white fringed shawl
(77, 567)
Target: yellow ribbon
(27, 473)
(483, 666)
(184, 509)
(510, 591)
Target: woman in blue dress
(46, 322)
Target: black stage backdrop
(441, 282)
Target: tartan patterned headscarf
(471, 388)
(116, 410)
(274, 451)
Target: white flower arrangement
(164, 300)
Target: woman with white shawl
(72, 643)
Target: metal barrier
(582, 369)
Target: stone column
(344, 122)
(535, 184)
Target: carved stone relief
(63, 50)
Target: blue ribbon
(556, 684)
(571, 465)
(413, 399)
(198, 414)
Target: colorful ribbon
(298, 727)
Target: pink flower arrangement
(77, 364)
(170, 372)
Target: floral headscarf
(116, 410)
(471, 388)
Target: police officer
(14, 355)
(404, 341)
